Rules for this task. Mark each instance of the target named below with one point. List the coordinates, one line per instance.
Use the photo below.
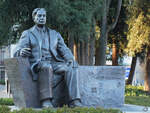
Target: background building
(5, 52)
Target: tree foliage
(16, 12)
(63, 15)
(139, 34)
(138, 26)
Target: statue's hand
(70, 62)
(25, 52)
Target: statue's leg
(45, 83)
(71, 79)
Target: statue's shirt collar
(43, 29)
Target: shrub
(135, 91)
(6, 101)
(2, 82)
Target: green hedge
(4, 109)
(135, 91)
(2, 82)
(6, 101)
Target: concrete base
(128, 108)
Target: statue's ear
(33, 19)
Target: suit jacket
(30, 39)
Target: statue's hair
(35, 11)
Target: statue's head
(39, 16)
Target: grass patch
(137, 96)
(138, 100)
(5, 109)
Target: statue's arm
(23, 43)
(65, 51)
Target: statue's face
(40, 17)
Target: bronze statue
(48, 54)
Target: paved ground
(128, 108)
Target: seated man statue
(48, 54)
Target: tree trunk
(113, 25)
(91, 50)
(114, 55)
(97, 58)
(78, 52)
(102, 48)
(81, 53)
(105, 29)
(75, 51)
(86, 54)
(92, 44)
(147, 76)
(71, 42)
(131, 74)
(101, 60)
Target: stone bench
(99, 85)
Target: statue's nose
(42, 17)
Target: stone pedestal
(24, 89)
(99, 85)
(102, 85)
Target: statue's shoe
(75, 103)
(47, 104)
